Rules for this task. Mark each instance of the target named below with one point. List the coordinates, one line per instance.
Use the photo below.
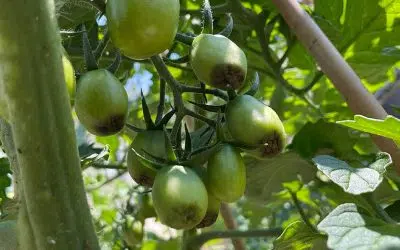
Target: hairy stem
(43, 129)
(301, 211)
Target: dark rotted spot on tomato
(144, 180)
(208, 220)
(187, 213)
(112, 125)
(227, 76)
(273, 145)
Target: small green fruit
(153, 142)
(69, 77)
(218, 61)
(133, 235)
(101, 103)
(226, 174)
(253, 123)
(213, 203)
(180, 197)
(145, 207)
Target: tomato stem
(208, 27)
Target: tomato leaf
(348, 227)
(314, 137)
(188, 141)
(149, 163)
(394, 210)
(265, 177)
(390, 127)
(168, 147)
(146, 113)
(354, 180)
(298, 236)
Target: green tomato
(253, 123)
(133, 235)
(153, 142)
(226, 174)
(142, 28)
(213, 203)
(101, 103)
(179, 197)
(69, 77)
(145, 207)
(218, 61)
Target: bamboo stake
(337, 69)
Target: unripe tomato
(142, 28)
(218, 61)
(251, 122)
(69, 77)
(179, 197)
(133, 235)
(226, 174)
(153, 142)
(145, 207)
(213, 203)
(101, 103)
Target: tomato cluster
(187, 185)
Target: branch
(215, 92)
(301, 211)
(378, 209)
(108, 166)
(346, 81)
(230, 224)
(196, 242)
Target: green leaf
(336, 196)
(348, 227)
(368, 42)
(314, 137)
(73, 12)
(298, 236)
(394, 210)
(353, 180)
(390, 127)
(266, 177)
(168, 146)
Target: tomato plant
(196, 122)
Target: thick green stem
(378, 209)
(43, 130)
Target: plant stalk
(54, 212)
